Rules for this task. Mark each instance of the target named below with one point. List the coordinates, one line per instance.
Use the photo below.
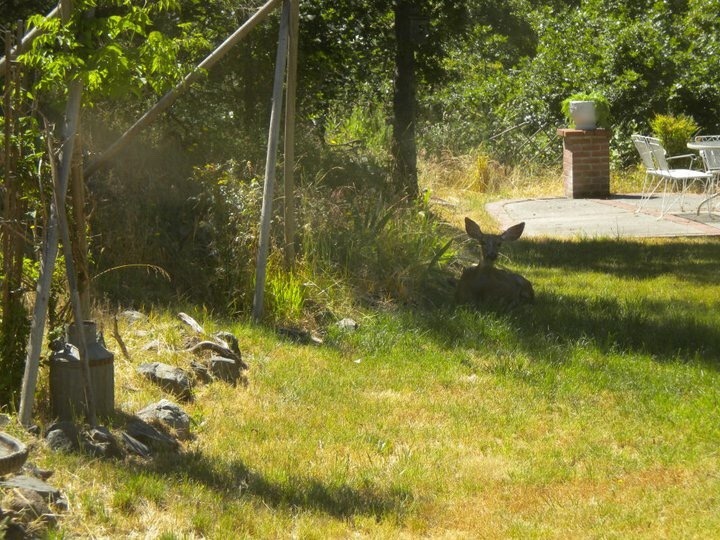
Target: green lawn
(593, 413)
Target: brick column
(586, 162)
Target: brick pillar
(586, 162)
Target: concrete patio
(616, 217)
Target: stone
(169, 378)
(201, 371)
(33, 470)
(133, 316)
(28, 483)
(63, 437)
(168, 414)
(134, 446)
(348, 324)
(27, 505)
(224, 369)
(153, 345)
(299, 335)
(230, 341)
(150, 435)
(100, 442)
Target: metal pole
(270, 162)
(291, 91)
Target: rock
(63, 437)
(99, 442)
(192, 323)
(170, 378)
(299, 335)
(13, 530)
(45, 491)
(133, 316)
(27, 505)
(224, 369)
(150, 436)
(230, 342)
(153, 345)
(134, 446)
(33, 470)
(201, 371)
(348, 325)
(169, 415)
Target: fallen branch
(119, 339)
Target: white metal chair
(711, 161)
(659, 174)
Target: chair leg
(647, 192)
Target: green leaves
(116, 48)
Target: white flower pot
(583, 114)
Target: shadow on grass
(694, 260)
(554, 324)
(235, 480)
(667, 330)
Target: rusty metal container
(67, 394)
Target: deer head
(490, 243)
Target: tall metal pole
(270, 162)
(289, 173)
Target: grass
(592, 413)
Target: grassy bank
(589, 414)
(592, 413)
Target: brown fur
(485, 285)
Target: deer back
(488, 286)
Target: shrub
(673, 131)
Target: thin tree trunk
(60, 191)
(270, 162)
(25, 42)
(13, 311)
(79, 238)
(404, 102)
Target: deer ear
(473, 229)
(514, 232)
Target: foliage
(491, 80)
(674, 131)
(602, 107)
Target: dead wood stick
(119, 339)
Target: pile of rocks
(30, 505)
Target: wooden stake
(270, 162)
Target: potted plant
(585, 110)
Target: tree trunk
(404, 102)
(14, 321)
(79, 222)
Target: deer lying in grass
(484, 284)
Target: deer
(486, 285)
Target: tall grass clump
(385, 249)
